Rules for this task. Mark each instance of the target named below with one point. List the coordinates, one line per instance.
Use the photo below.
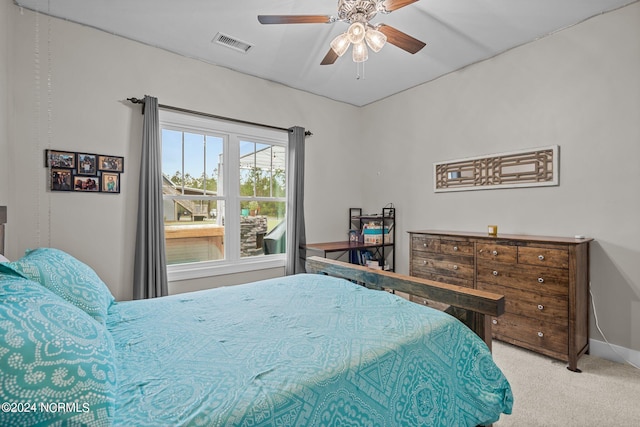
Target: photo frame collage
(84, 172)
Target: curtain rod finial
(135, 100)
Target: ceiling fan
(361, 33)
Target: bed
(303, 350)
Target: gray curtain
(295, 210)
(150, 268)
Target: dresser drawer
(553, 281)
(425, 243)
(446, 265)
(558, 258)
(453, 247)
(536, 333)
(451, 280)
(530, 304)
(497, 252)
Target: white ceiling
(457, 33)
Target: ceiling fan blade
(402, 40)
(330, 58)
(391, 5)
(294, 19)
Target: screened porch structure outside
(195, 227)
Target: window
(224, 191)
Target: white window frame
(231, 133)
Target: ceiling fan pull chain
(360, 70)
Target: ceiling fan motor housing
(358, 10)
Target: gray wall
(578, 88)
(4, 102)
(92, 73)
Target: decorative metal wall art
(523, 168)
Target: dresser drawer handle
(540, 307)
(455, 249)
(495, 253)
(540, 334)
(455, 267)
(541, 257)
(540, 280)
(425, 245)
(424, 262)
(495, 273)
(494, 321)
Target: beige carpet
(547, 394)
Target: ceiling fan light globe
(360, 52)
(340, 44)
(375, 39)
(356, 32)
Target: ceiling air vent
(232, 43)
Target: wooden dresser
(545, 281)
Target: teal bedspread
(305, 350)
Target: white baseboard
(613, 352)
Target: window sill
(208, 269)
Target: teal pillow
(65, 276)
(57, 365)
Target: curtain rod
(212, 116)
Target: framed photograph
(111, 163)
(61, 180)
(86, 183)
(60, 159)
(83, 172)
(110, 182)
(87, 164)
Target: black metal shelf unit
(377, 233)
